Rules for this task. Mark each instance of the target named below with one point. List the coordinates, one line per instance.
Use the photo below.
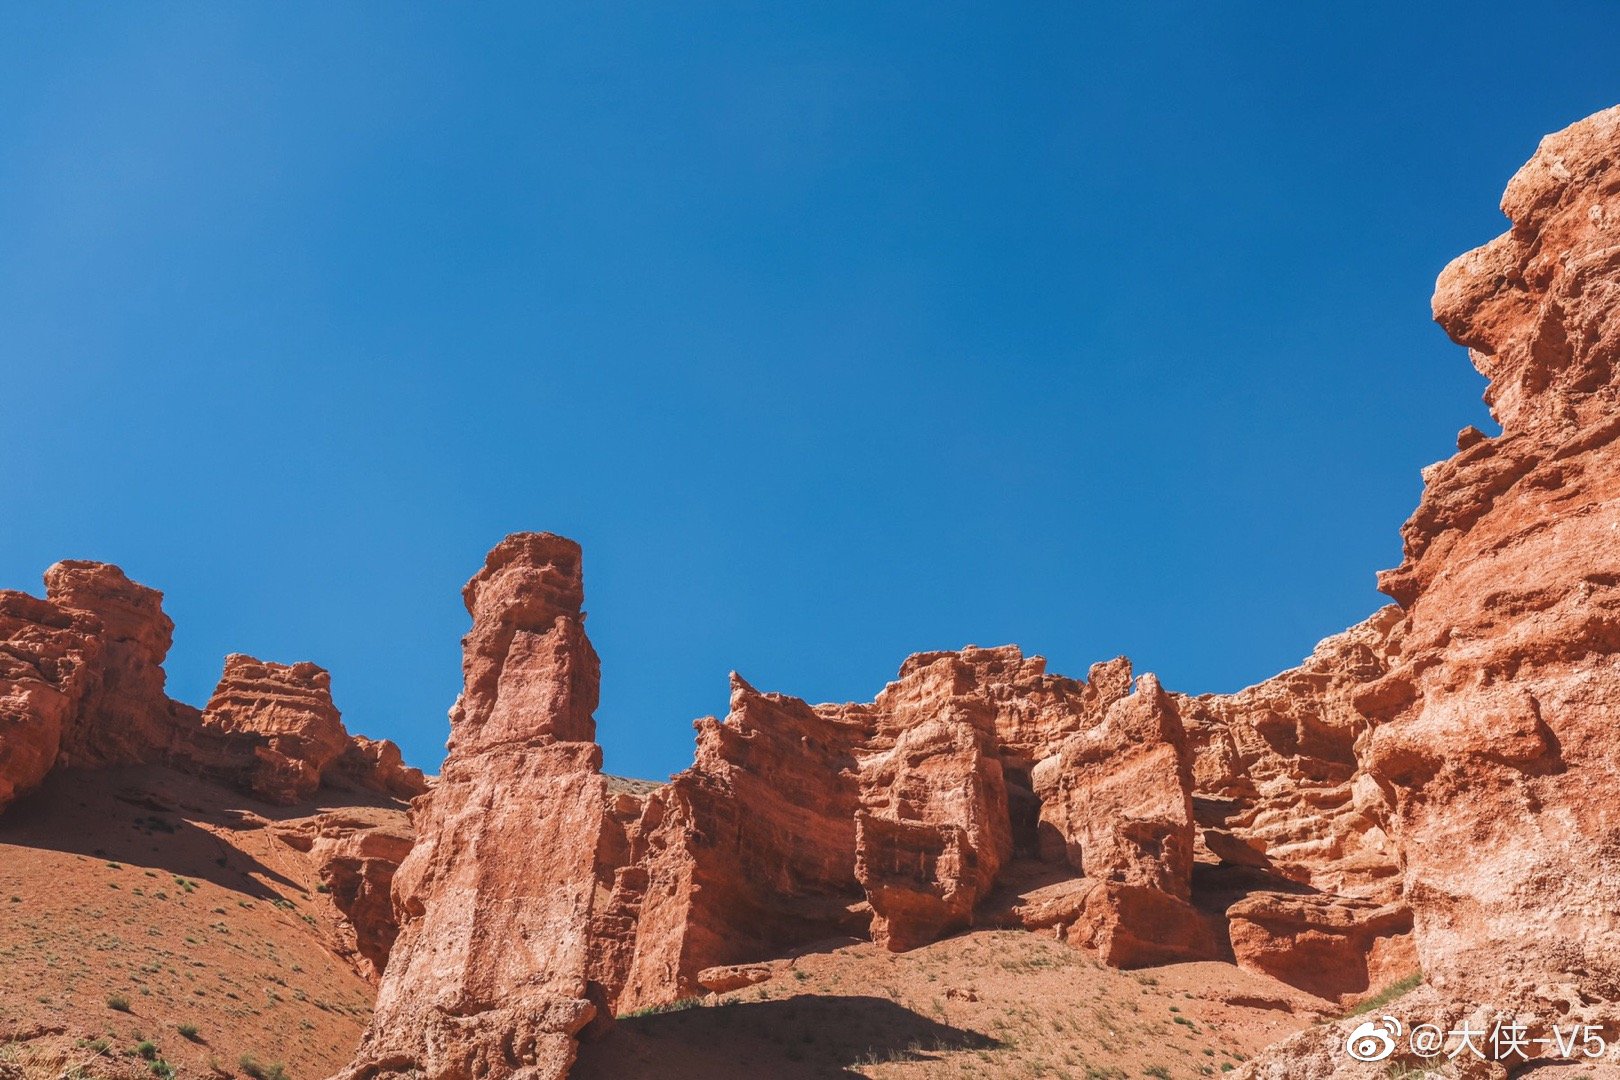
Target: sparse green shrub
(1388, 994)
(258, 1071)
(187, 1031)
(147, 1049)
(118, 1002)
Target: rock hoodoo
(490, 975)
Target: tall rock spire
(489, 975)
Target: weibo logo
(1373, 1040)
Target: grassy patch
(1388, 994)
(258, 1071)
(674, 1006)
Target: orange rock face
(1489, 735)
(1308, 874)
(752, 849)
(894, 819)
(289, 706)
(82, 686)
(1494, 741)
(490, 974)
(1116, 804)
(125, 718)
(48, 656)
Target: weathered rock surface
(1491, 733)
(891, 819)
(125, 718)
(1299, 827)
(375, 765)
(289, 707)
(1116, 804)
(934, 828)
(82, 686)
(47, 659)
(282, 738)
(490, 974)
(356, 853)
(1496, 718)
(752, 849)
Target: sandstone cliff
(83, 683)
(1489, 736)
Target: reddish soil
(147, 907)
(990, 1004)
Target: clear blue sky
(833, 332)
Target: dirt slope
(144, 906)
(990, 1004)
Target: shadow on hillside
(147, 817)
(808, 1037)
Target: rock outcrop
(82, 686)
(1308, 875)
(1490, 734)
(752, 849)
(490, 976)
(358, 859)
(894, 819)
(934, 828)
(125, 717)
(1494, 722)
(289, 708)
(48, 656)
(1116, 804)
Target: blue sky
(834, 332)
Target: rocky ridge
(1381, 809)
(1416, 796)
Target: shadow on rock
(799, 1038)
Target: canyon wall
(1490, 735)
(1427, 792)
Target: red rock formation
(48, 656)
(358, 861)
(81, 686)
(273, 730)
(1498, 709)
(933, 831)
(125, 718)
(490, 974)
(1284, 803)
(289, 706)
(752, 849)
(375, 765)
(891, 819)
(1492, 733)
(1116, 803)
